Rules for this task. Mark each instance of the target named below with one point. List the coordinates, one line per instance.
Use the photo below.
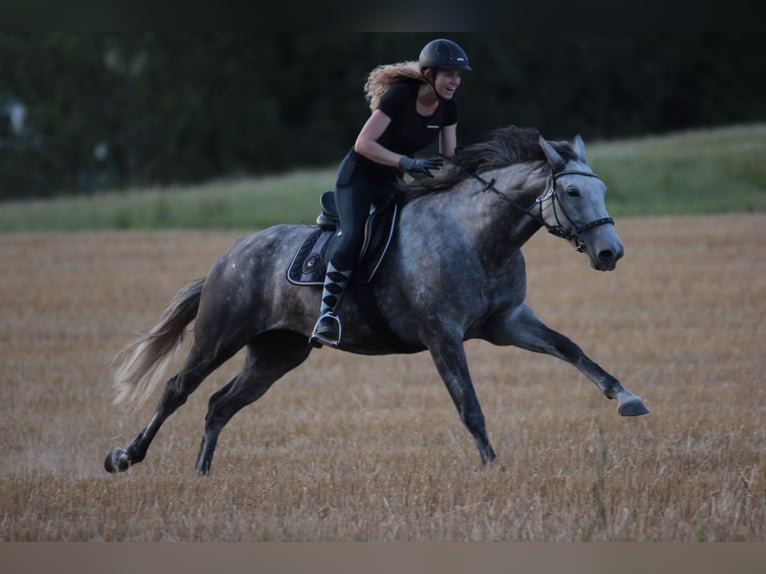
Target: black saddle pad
(309, 265)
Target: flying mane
(504, 147)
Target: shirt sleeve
(393, 101)
(451, 113)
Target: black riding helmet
(444, 54)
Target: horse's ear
(554, 159)
(579, 148)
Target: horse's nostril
(606, 255)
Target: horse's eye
(573, 192)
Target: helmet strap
(431, 81)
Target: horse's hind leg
(269, 357)
(198, 366)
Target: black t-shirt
(409, 132)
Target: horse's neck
(507, 204)
(488, 214)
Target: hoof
(117, 460)
(632, 408)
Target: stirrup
(322, 336)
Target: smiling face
(446, 82)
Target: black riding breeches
(356, 189)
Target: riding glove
(417, 167)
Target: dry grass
(356, 448)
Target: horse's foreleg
(268, 359)
(449, 357)
(523, 329)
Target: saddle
(309, 265)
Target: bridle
(574, 237)
(559, 230)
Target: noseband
(550, 194)
(559, 230)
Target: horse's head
(573, 207)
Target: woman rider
(412, 104)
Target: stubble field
(352, 448)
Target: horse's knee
(568, 348)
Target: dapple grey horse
(454, 271)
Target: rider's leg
(328, 328)
(353, 197)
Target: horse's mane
(504, 147)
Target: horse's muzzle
(606, 259)
(604, 248)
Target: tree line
(84, 112)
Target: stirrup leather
(318, 336)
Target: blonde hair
(381, 78)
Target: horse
(454, 272)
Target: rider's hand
(417, 167)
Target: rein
(558, 230)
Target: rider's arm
(448, 140)
(367, 141)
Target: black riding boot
(328, 329)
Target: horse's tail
(141, 365)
